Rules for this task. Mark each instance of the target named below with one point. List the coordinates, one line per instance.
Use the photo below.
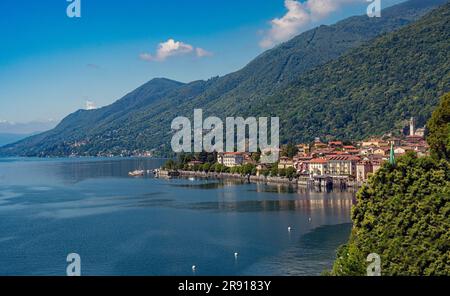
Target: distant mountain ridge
(6, 138)
(279, 82)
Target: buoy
(194, 268)
(289, 228)
(236, 255)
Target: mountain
(373, 88)
(26, 128)
(11, 132)
(6, 138)
(317, 83)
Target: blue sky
(50, 64)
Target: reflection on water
(305, 205)
(145, 226)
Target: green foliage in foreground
(439, 129)
(402, 214)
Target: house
(318, 144)
(420, 132)
(335, 144)
(318, 166)
(342, 165)
(376, 165)
(363, 169)
(301, 164)
(382, 151)
(285, 162)
(400, 150)
(371, 142)
(349, 147)
(231, 159)
(323, 152)
(303, 149)
(367, 166)
(353, 151)
(414, 139)
(395, 141)
(367, 151)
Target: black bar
(224, 285)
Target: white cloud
(90, 105)
(173, 48)
(300, 16)
(202, 52)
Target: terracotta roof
(318, 160)
(343, 157)
(233, 153)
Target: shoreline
(296, 182)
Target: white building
(318, 166)
(231, 159)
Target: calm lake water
(145, 226)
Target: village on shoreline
(335, 164)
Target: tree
(402, 214)
(439, 129)
(256, 156)
(291, 172)
(290, 150)
(170, 164)
(274, 170)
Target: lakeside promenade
(323, 182)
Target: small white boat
(136, 173)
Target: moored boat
(136, 173)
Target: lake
(121, 225)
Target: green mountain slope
(373, 88)
(283, 82)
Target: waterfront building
(318, 166)
(285, 162)
(363, 169)
(231, 159)
(342, 165)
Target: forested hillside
(338, 80)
